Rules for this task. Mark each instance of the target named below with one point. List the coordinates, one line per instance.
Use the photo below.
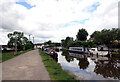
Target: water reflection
(90, 68)
(109, 68)
(83, 63)
(67, 56)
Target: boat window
(102, 48)
(93, 49)
(79, 49)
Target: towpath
(28, 66)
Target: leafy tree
(82, 35)
(63, 42)
(107, 36)
(66, 41)
(94, 34)
(49, 42)
(21, 40)
(28, 45)
(118, 34)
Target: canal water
(90, 67)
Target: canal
(90, 67)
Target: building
(38, 45)
(5, 47)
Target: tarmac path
(28, 66)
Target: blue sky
(25, 4)
(75, 22)
(92, 7)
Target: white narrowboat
(80, 50)
(100, 50)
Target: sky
(56, 19)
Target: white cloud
(47, 19)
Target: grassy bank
(115, 52)
(7, 56)
(55, 70)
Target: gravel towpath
(28, 66)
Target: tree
(21, 40)
(82, 35)
(94, 34)
(28, 45)
(107, 36)
(118, 34)
(65, 42)
(48, 42)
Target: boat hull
(80, 52)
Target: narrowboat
(80, 50)
(100, 50)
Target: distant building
(71, 38)
(5, 47)
(90, 39)
(38, 45)
(92, 36)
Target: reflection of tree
(67, 56)
(83, 63)
(109, 69)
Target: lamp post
(15, 45)
(33, 40)
(29, 36)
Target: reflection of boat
(80, 50)
(100, 58)
(100, 50)
(77, 55)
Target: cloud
(56, 19)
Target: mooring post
(84, 52)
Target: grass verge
(117, 53)
(7, 56)
(55, 70)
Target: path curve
(28, 66)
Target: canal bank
(55, 70)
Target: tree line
(108, 37)
(52, 44)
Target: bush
(81, 44)
(28, 45)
